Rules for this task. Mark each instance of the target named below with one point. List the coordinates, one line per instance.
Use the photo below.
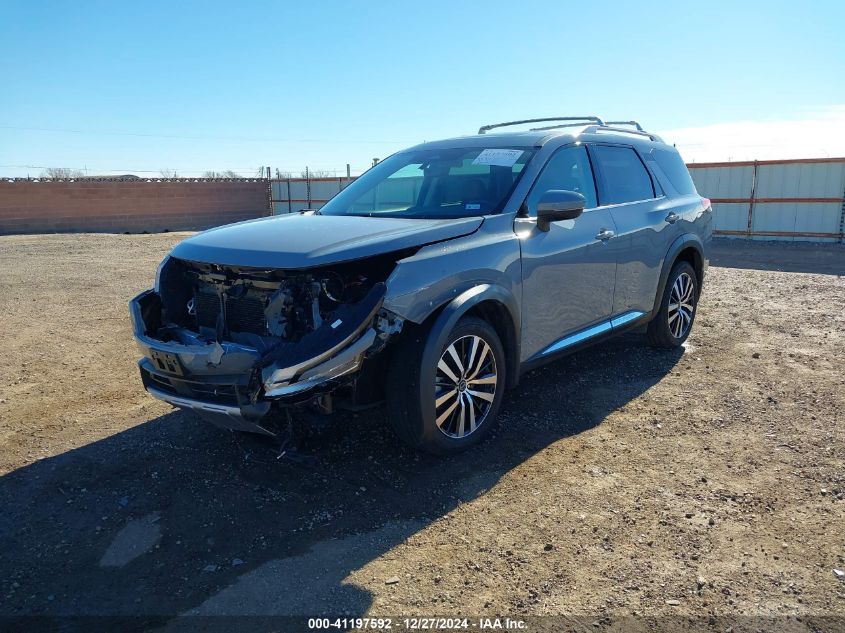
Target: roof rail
(557, 127)
(591, 119)
(622, 130)
(631, 123)
(593, 123)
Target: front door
(569, 271)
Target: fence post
(750, 224)
(307, 187)
(270, 192)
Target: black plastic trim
(682, 242)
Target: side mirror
(557, 204)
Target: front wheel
(671, 326)
(451, 405)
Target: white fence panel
(724, 182)
(776, 200)
(291, 195)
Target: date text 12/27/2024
(418, 624)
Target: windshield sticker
(472, 207)
(498, 157)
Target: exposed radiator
(245, 314)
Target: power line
(184, 172)
(197, 137)
(185, 169)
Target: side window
(568, 169)
(622, 174)
(672, 165)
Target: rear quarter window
(674, 169)
(623, 176)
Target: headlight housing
(164, 262)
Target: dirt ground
(622, 481)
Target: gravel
(619, 479)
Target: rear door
(568, 271)
(639, 210)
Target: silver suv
(432, 282)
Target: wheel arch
(689, 248)
(492, 303)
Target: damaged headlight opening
(260, 307)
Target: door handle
(672, 217)
(605, 234)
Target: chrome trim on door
(572, 339)
(594, 330)
(626, 317)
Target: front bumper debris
(234, 385)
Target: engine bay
(261, 307)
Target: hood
(303, 241)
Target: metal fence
(291, 195)
(795, 200)
(800, 199)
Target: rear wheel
(453, 404)
(672, 324)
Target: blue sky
(139, 87)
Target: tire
(665, 330)
(420, 398)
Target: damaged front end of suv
(233, 342)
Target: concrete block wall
(117, 206)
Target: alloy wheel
(465, 386)
(681, 305)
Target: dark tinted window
(569, 169)
(675, 170)
(624, 177)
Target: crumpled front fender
(336, 347)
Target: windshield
(434, 183)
